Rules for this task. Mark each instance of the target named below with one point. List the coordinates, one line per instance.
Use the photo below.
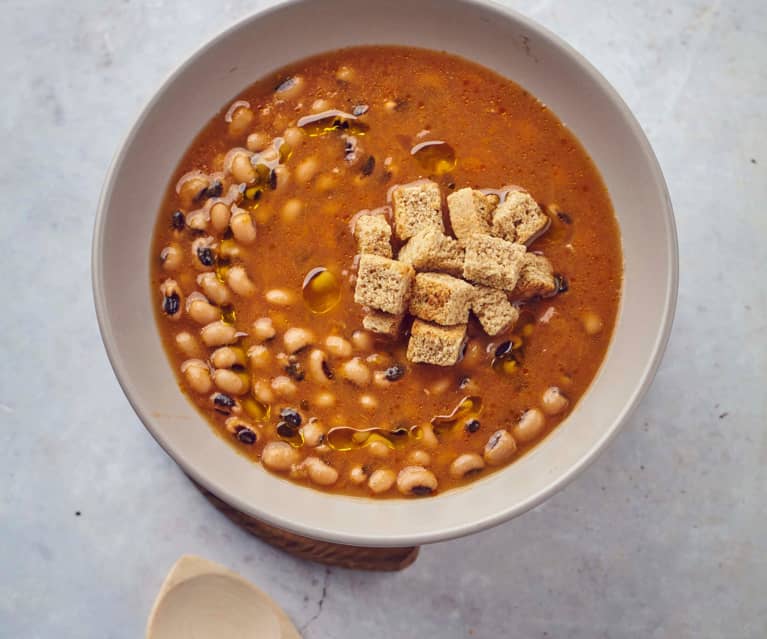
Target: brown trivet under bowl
(354, 557)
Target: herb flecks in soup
(385, 271)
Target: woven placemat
(354, 557)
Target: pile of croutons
(439, 279)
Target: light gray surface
(664, 536)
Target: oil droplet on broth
(321, 290)
(468, 407)
(435, 156)
(346, 438)
(256, 409)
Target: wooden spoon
(200, 599)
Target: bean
(320, 472)
(324, 400)
(218, 333)
(242, 119)
(297, 338)
(416, 480)
(418, 458)
(257, 141)
(191, 187)
(281, 177)
(440, 386)
(204, 253)
(378, 449)
(381, 380)
(529, 425)
(269, 155)
(355, 371)
(172, 299)
(428, 438)
(187, 344)
(263, 392)
(345, 74)
(230, 382)
(280, 297)
(225, 404)
(325, 183)
(198, 220)
(592, 323)
(197, 375)
(313, 432)
(320, 105)
(290, 87)
(238, 280)
(214, 289)
(171, 257)
(553, 401)
(338, 346)
(242, 226)
(307, 169)
(227, 356)
(318, 367)
(466, 464)
(263, 329)
(279, 456)
(259, 356)
(362, 340)
(499, 448)
(368, 402)
(357, 475)
(200, 310)
(292, 210)
(283, 386)
(220, 214)
(293, 136)
(242, 169)
(381, 480)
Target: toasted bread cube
(383, 284)
(438, 345)
(493, 310)
(382, 323)
(373, 235)
(536, 277)
(431, 250)
(493, 262)
(519, 218)
(417, 206)
(471, 212)
(441, 298)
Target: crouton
(373, 235)
(441, 298)
(471, 212)
(383, 284)
(519, 218)
(430, 250)
(493, 262)
(382, 323)
(536, 277)
(432, 344)
(417, 206)
(493, 310)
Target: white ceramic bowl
(495, 37)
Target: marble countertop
(664, 536)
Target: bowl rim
(646, 377)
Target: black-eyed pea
(362, 340)
(466, 464)
(313, 433)
(428, 438)
(242, 169)
(269, 155)
(325, 399)
(204, 253)
(283, 386)
(381, 379)
(293, 136)
(325, 183)
(355, 371)
(190, 186)
(281, 177)
(337, 346)
(297, 338)
(307, 169)
(529, 426)
(592, 323)
(257, 141)
(171, 257)
(214, 289)
(225, 404)
(345, 74)
(292, 210)
(218, 333)
(418, 458)
(240, 120)
(172, 299)
(290, 87)
(198, 220)
(368, 402)
(243, 228)
(378, 449)
(227, 356)
(220, 214)
(377, 359)
(259, 356)
(280, 297)
(500, 448)
(187, 344)
(320, 472)
(416, 481)
(201, 310)
(357, 475)
(439, 387)
(262, 391)
(318, 368)
(238, 280)
(553, 401)
(230, 381)
(279, 456)
(381, 480)
(197, 375)
(320, 105)
(242, 430)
